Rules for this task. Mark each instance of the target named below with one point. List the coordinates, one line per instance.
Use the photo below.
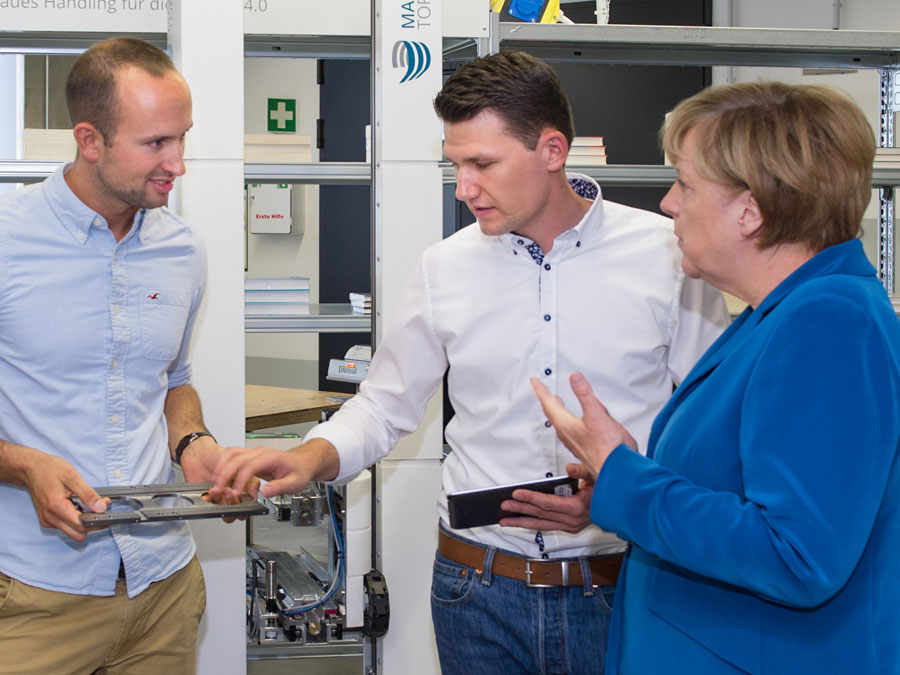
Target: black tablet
(474, 508)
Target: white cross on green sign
(282, 114)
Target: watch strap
(186, 441)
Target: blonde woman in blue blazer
(765, 518)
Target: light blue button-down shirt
(93, 334)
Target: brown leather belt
(534, 572)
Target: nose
(174, 160)
(668, 204)
(466, 186)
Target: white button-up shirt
(609, 299)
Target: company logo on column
(415, 57)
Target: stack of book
(276, 296)
(887, 157)
(361, 303)
(587, 151)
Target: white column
(206, 41)
(408, 218)
(12, 109)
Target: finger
(580, 471)
(542, 500)
(226, 467)
(547, 400)
(280, 486)
(67, 519)
(591, 407)
(245, 479)
(552, 405)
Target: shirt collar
(75, 216)
(585, 187)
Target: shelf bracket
(890, 106)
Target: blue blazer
(765, 521)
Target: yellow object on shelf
(533, 11)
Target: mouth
(480, 211)
(163, 184)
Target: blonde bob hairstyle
(805, 152)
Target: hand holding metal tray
(166, 501)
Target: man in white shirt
(552, 279)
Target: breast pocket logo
(413, 56)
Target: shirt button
(114, 419)
(547, 266)
(546, 317)
(547, 371)
(117, 473)
(578, 244)
(547, 423)
(116, 255)
(115, 363)
(115, 309)
(96, 222)
(80, 236)
(521, 242)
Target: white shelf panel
(704, 45)
(322, 318)
(359, 173)
(319, 173)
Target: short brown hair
(522, 89)
(804, 151)
(91, 84)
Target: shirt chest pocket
(163, 315)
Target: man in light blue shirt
(99, 290)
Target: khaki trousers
(154, 633)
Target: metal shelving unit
(719, 46)
(702, 45)
(359, 173)
(583, 43)
(322, 318)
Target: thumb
(580, 472)
(280, 486)
(88, 495)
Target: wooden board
(267, 407)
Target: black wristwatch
(186, 441)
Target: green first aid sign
(282, 114)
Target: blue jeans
(486, 623)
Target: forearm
(184, 414)
(14, 462)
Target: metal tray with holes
(166, 501)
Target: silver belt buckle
(564, 566)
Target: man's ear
(89, 141)
(556, 147)
(750, 218)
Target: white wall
(295, 254)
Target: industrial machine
(309, 580)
